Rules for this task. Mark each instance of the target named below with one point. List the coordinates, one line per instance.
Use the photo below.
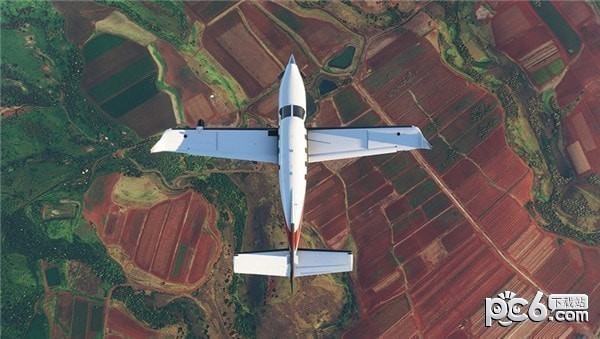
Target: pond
(344, 59)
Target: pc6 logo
(507, 306)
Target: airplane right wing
(348, 142)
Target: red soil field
(456, 176)
(372, 200)
(368, 226)
(518, 47)
(511, 21)
(97, 201)
(494, 142)
(487, 196)
(374, 246)
(356, 170)
(575, 12)
(322, 37)
(335, 231)
(276, 40)
(405, 41)
(195, 95)
(168, 241)
(240, 54)
(111, 62)
(206, 10)
(327, 115)
(146, 246)
(122, 325)
(505, 212)
(415, 70)
(360, 189)
(153, 116)
(397, 208)
(149, 237)
(441, 254)
(409, 223)
(131, 233)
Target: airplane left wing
(230, 143)
(348, 142)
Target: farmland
(102, 238)
(173, 239)
(126, 89)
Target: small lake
(344, 59)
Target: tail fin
(279, 263)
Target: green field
(393, 68)
(559, 26)
(349, 104)
(179, 258)
(344, 59)
(287, 17)
(544, 74)
(134, 96)
(100, 44)
(80, 319)
(117, 82)
(39, 327)
(422, 192)
(97, 318)
(368, 119)
(408, 179)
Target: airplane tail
(280, 263)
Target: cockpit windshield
(288, 110)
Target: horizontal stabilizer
(313, 262)
(307, 262)
(263, 263)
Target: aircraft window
(285, 111)
(298, 112)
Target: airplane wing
(230, 143)
(348, 142)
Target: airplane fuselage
(293, 152)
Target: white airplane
(292, 146)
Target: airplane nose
(292, 60)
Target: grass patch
(349, 104)
(123, 79)
(287, 17)
(100, 44)
(163, 86)
(39, 327)
(134, 96)
(179, 258)
(118, 24)
(559, 26)
(422, 192)
(546, 73)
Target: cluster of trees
(25, 237)
(577, 207)
(453, 21)
(450, 157)
(220, 190)
(151, 21)
(143, 307)
(556, 225)
(480, 110)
